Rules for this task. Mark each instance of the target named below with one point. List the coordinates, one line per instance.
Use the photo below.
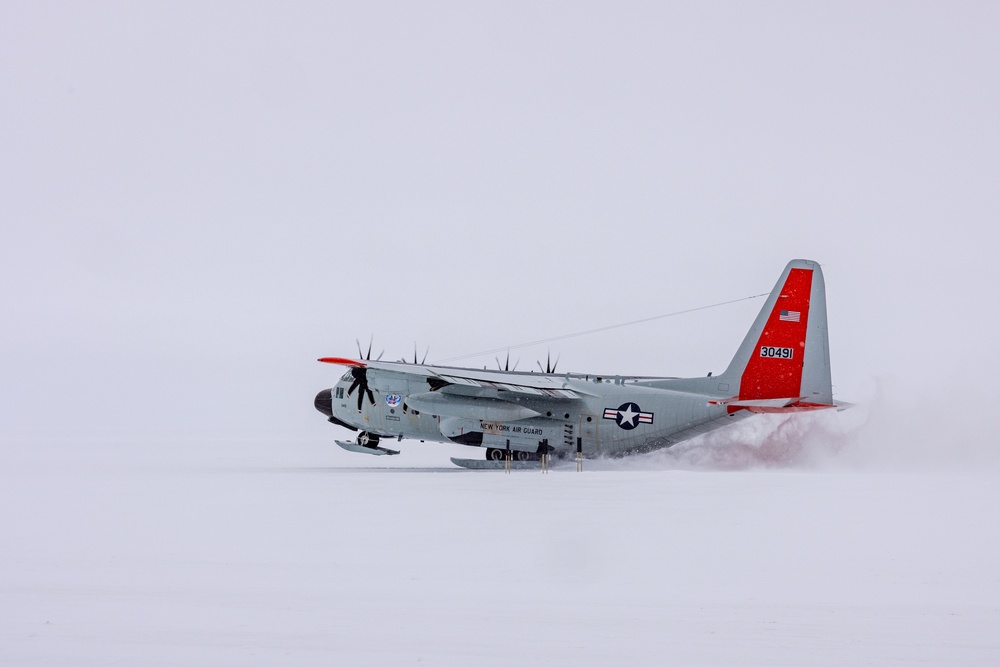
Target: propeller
(360, 374)
(368, 356)
(549, 366)
(415, 355)
(403, 360)
(360, 383)
(506, 364)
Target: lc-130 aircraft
(782, 366)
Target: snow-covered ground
(208, 553)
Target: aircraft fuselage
(613, 416)
(783, 365)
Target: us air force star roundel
(628, 415)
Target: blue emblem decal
(392, 400)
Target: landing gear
(497, 454)
(366, 443)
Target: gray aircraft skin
(783, 365)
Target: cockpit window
(347, 376)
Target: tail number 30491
(775, 352)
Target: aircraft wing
(521, 383)
(532, 384)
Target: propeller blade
(361, 384)
(414, 354)
(370, 341)
(360, 355)
(379, 357)
(544, 370)
(424, 360)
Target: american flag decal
(789, 316)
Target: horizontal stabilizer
(756, 403)
(361, 449)
(769, 405)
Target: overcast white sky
(198, 200)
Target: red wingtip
(341, 361)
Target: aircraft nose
(324, 402)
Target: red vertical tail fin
(786, 353)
